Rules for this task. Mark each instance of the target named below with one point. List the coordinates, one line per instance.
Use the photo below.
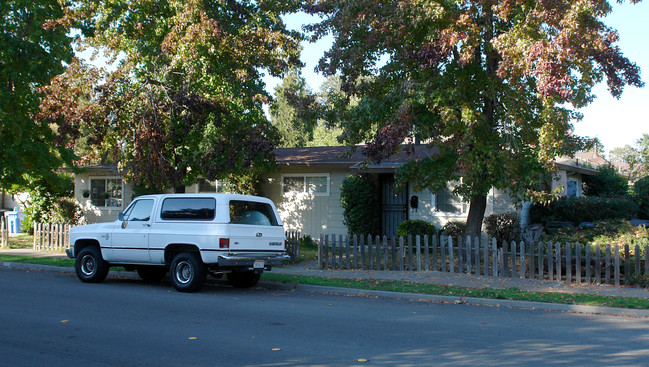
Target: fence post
(468, 247)
(436, 240)
(485, 262)
(598, 264)
(386, 264)
(379, 253)
(646, 260)
(451, 259)
(395, 263)
(550, 260)
(402, 253)
(426, 253)
(355, 252)
(539, 247)
(418, 248)
(522, 260)
(568, 262)
(442, 251)
(512, 259)
(494, 257)
(627, 264)
(578, 263)
(637, 259)
(608, 264)
(410, 261)
(348, 252)
(617, 265)
(557, 260)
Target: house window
(210, 186)
(316, 184)
(447, 202)
(106, 192)
(571, 188)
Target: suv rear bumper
(251, 259)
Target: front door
(131, 236)
(394, 206)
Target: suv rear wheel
(187, 272)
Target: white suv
(189, 235)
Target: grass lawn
(21, 241)
(398, 286)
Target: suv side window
(140, 211)
(188, 208)
(251, 212)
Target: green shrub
(585, 209)
(608, 183)
(455, 229)
(605, 232)
(361, 211)
(416, 227)
(641, 197)
(503, 227)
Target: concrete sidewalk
(426, 277)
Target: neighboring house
(306, 191)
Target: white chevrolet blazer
(187, 235)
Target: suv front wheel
(90, 266)
(187, 272)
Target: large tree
(294, 111)
(34, 47)
(490, 84)
(185, 100)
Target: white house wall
(92, 213)
(306, 212)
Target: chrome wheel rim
(88, 265)
(184, 272)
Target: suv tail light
(224, 243)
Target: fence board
(568, 262)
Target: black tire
(187, 272)
(243, 279)
(90, 266)
(151, 273)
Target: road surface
(52, 319)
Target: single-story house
(306, 191)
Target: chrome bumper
(249, 259)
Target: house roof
(343, 156)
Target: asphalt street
(52, 319)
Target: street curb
(528, 305)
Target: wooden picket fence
(4, 231)
(573, 263)
(293, 244)
(52, 237)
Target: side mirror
(120, 216)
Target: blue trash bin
(13, 222)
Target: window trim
(305, 175)
(106, 178)
(463, 213)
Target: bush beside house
(360, 206)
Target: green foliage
(608, 183)
(604, 232)
(454, 228)
(360, 206)
(34, 47)
(50, 203)
(641, 196)
(294, 111)
(584, 209)
(185, 99)
(416, 228)
(493, 88)
(503, 227)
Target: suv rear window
(252, 212)
(188, 208)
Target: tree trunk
(476, 215)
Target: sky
(615, 122)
